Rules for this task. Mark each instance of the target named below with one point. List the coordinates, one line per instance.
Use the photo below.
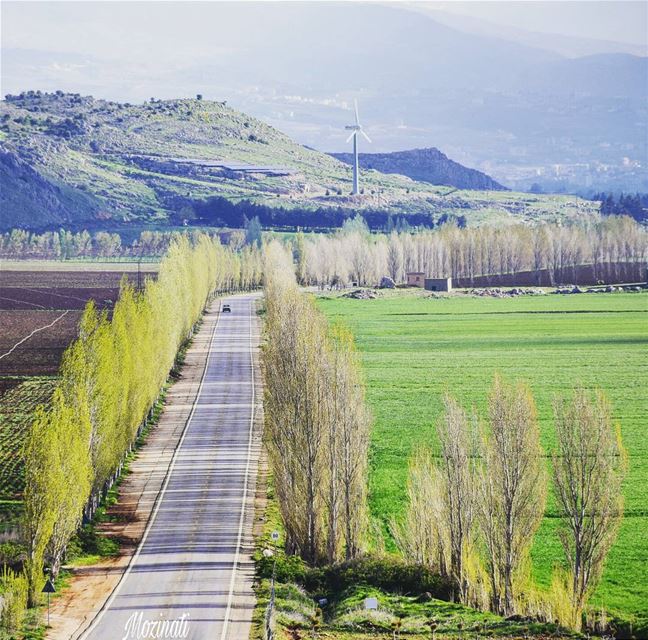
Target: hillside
(426, 165)
(81, 162)
(517, 105)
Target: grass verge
(414, 347)
(329, 602)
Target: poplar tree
(317, 421)
(512, 487)
(41, 495)
(350, 424)
(295, 405)
(422, 536)
(589, 464)
(109, 380)
(72, 473)
(439, 528)
(458, 479)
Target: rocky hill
(75, 161)
(426, 165)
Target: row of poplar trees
(317, 422)
(476, 503)
(110, 379)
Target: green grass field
(413, 348)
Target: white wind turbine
(355, 130)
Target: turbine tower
(355, 130)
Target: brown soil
(34, 298)
(71, 279)
(41, 354)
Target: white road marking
(245, 485)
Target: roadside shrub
(13, 605)
(11, 553)
(88, 541)
(386, 573)
(287, 568)
(389, 574)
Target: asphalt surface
(191, 575)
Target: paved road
(191, 574)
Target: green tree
(356, 224)
(13, 589)
(42, 493)
(69, 460)
(109, 380)
(253, 232)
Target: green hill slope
(76, 161)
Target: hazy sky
(616, 20)
(64, 26)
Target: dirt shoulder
(90, 586)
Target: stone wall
(585, 275)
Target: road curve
(191, 576)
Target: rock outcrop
(426, 165)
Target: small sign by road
(48, 588)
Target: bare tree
(422, 536)
(457, 468)
(588, 468)
(352, 422)
(540, 250)
(317, 422)
(513, 487)
(395, 257)
(294, 401)
(615, 246)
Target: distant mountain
(70, 160)
(426, 165)
(513, 108)
(569, 46)
(600, 76)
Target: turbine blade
(355, 102)
(351, 136)
(368, 139)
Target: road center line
(245, 485)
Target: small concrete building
(415, 279)
(438, 284)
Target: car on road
(226, 309)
